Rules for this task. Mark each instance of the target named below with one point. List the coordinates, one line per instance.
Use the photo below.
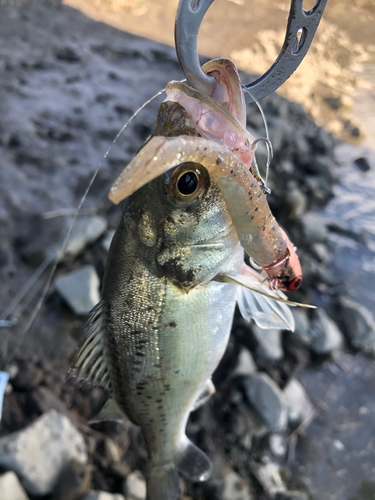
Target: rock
(135, 486)
(28, 377)
(269, 477)
(10, 487)
(80, 289)
(246, 364)
(235, 488)
(345, 230)
(52, 233)
(74, 481)
(320, 252)
(358, 325)
(267, 400)
(295, 203)
(39, 453)
(107, 240)
(4, 377)
(291, 495)
(277, 445)
(297, 401)
(313, 228)
(302, 324)
(225, 484)
(268, 343)
(325, 335)
(103, 495)
(324, 167)
(363, 164)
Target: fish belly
(164, 344)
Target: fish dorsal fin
(91, 361)
(268, 308)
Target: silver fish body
(167, 322)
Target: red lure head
(285, 273)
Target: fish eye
(295, 284)
(187, 183)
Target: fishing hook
(301, 28)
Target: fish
(175, 271)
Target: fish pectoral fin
(91, 361)
(110, 411)
(204, 396)
(193, 463)
(268, 308)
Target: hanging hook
(300, 32)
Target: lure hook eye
(301, 29)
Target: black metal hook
(300, 32)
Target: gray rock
(358, 325)
(103, 495)
(324, 333)
(80, 289)
(107, 240)
(324, 167)
(135, 486)
(10, 487)
(269, 477)
(52, 232)
(320, 252)
(363, 164)
(297, 401)
(302, 324)
(39, 453)
(277, 445)
(313, 228)
(268, 343)
(73, 482)
(267, 400)
(295, 203)
(235, 488)
(85, 231)
(291, 495)
(246, 364)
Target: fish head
(182, 225)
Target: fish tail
(162, 483)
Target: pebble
(363, 164)
(245, 364)
(103, 495)
(302, 324)
(324, 333)
(358, 325)
(39, 453)
(313, 228)
(277, 445)
(80, 289)
(11, 488)
(269, 477)
(291, 495)
(235, 488)
(268, 343)
(107, 240)
(52, 233)
(73, 482)
(267, 400)
(297, 401)
(135, 486)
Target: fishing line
(269, 149)
(63, 247)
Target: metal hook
(300, 32)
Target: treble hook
(300, 32)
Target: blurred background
(71, 74)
